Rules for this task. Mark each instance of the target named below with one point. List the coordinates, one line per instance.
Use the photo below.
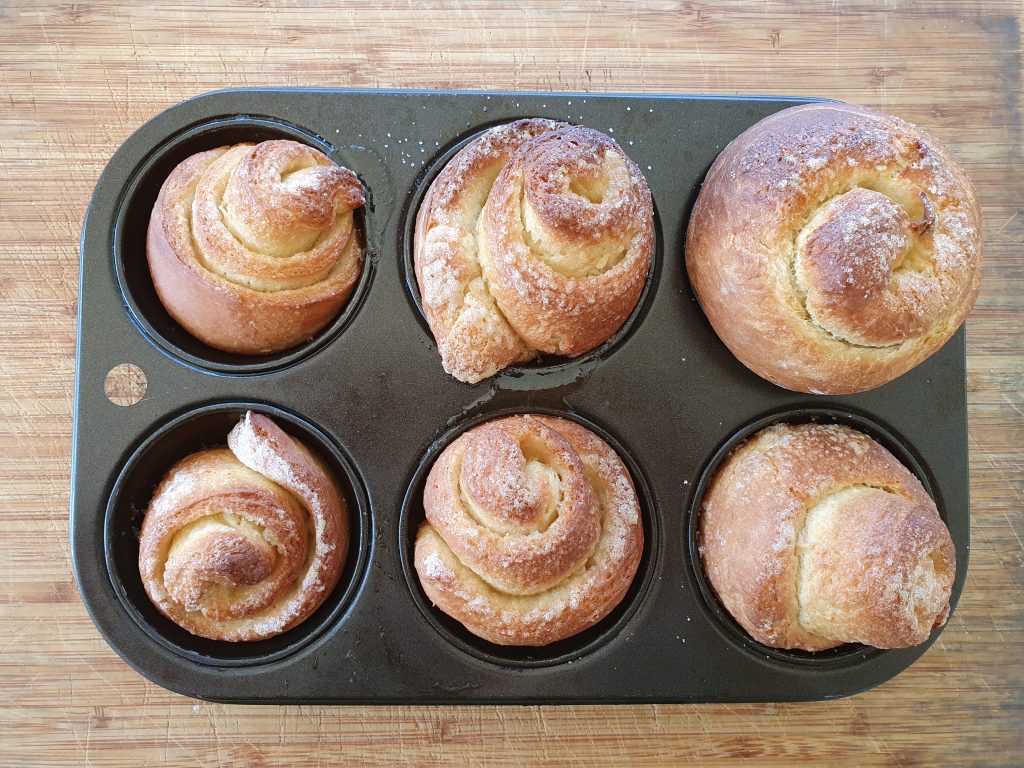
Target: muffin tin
(369, 395)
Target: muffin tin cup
(521, 657)
(546, 368)
(849, 653)
(132, 221)
(196, 430)
(370, 395)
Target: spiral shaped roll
(253, 248)
(243, 543)
(813, 536)
(535, 239)
(834, 248)
(533, 530)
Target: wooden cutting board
(76, 79)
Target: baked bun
(535, 238)
(834, 248)
(253, 248)
(244, 542)
(813, 536)
(533, 530)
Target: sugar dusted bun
(834, 248)
(253, 248)
(535, 238)
(813, 536)
(533, 530)
(244, 542)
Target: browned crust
(243, 543)
(785, 261)
(512, 259)
(855, 582)
(493, 556)
(552, 308)
(473, 337)
(255, 295)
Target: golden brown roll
(535, 238)
(533, 530)
(813, 536)
(244, 542)
(253, 248)
(834, 248)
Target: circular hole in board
(125, 385)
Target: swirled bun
(533, 530)
(244, 542)
(834, 248)
(813, 536)
(253, 248)
(535, 238)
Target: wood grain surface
(77, 79)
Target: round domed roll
(834, 248)
(245, 542)
(253, 248)
(813, 536)
(533, 530)
(536, 238)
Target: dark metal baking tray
(369, 394)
